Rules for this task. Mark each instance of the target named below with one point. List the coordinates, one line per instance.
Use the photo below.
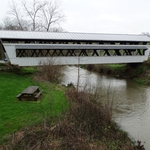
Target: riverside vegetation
(139, 72)
(63, 119)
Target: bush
(49, 71)
(87, 115)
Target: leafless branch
(33, 11)
(15, 12)
(52, 14)
(37, 15)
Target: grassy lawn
(116, 66)
(15, 114)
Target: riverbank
(81, 124)
(139, 72)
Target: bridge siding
(35, 61)
(76, 60)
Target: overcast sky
(102, 16)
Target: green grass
(28, 70)
(15, 114)
(2, 64)
(116, 66)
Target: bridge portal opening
(2, 54)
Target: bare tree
(56, 29)
(12, 24)
(15, 12)
(33, 12)
(1, 27)
(36, 15)
(146, 33)
(51, 15)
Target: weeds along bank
(84, 123)
(140, 73)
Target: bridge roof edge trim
(74, 46)
(29, 35)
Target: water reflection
(131, 101)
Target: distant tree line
(34, 16)
(146, 33)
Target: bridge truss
(57, 50)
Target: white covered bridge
(24, 48)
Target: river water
(131, 102)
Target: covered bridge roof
(71, 36)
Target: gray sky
(102, 16)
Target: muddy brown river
(131, 101)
